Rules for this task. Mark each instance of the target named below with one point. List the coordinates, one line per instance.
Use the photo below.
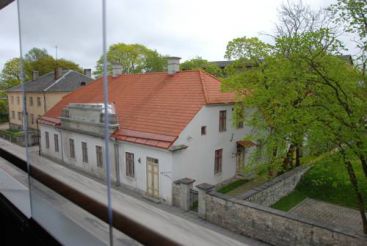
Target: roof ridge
(58, 80)
(203, 86)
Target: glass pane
(61, 42)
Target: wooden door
(152, 177)
(240, 158)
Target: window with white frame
(130, 172)
(218, 161)
(72, 148)
(56, 140)
(84, 152)
(99, 156)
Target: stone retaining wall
(271, 191)
(267, 224)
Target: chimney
(173, 65)
(35, 75)
(116, 70)
(58, 72)
(88, 72)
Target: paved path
(164, 221)
(329, 214)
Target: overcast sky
(185, 28)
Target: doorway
(152, 177)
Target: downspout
(117, 162)
(62, 147)
(44, 103)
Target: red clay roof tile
(152, 106)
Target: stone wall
(181, 193)
(267, 224)
(271, 191)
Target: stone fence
(267, 224)
(270, 192)
(181, 193)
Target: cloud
(182, 28)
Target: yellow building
(42, 93)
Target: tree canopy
(200, 63)
(134, 58)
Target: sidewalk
(183, 227)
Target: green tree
(200, 63)
(351, 14)
(304, 94)
(134, 58)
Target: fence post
(203, 188)
(185, 185)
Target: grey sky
(186, 28)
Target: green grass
(11, 132)
(231, 186)
(327, 181)
(289, 201)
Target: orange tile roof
(152, 108)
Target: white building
(163, 126)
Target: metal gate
(193, 200)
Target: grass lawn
(231, 186)
(241, 186)
(11, 132)
(288, 202)
(328, 181)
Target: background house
(42, 93)
(164, 126)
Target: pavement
(183, 227)
(330, 215)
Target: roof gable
(152, 106)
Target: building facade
(173, 126)
(42, 93)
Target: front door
(152, 177)
(240, 158)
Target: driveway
(329, 214)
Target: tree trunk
(363, 160)
(288, 160)
(353, 180)
(298, 155)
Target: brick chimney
(88, 72)
(58, 72)
(116, 70)
(173, 65)
(35, 75)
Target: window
(218, 161)
(38, 101)
(12, 99)
(19, 115)
(203, 130)
(85, 152)
(18, 100)
(12, 114)
(130, 164)
(222, 120)
(56, 139)
(82, 83)
(72, 148)
(47, 138)
(99, 156)
(31, 101)
(32, 119)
